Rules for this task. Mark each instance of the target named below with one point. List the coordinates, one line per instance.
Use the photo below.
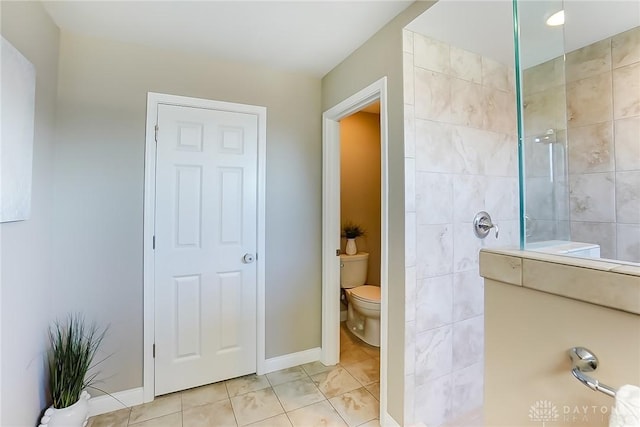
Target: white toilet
(363, 309)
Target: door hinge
(154, 350)
(154, 242)
(338, 252)
(156, 128)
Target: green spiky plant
(73, 347)
(351, 230)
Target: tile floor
(309, 395)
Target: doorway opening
(333, 245)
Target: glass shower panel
(543, 131)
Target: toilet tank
(353, 270)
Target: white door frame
(153, 100)
(331, 225)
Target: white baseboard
(388, 421)
(105, 403)
(291, 360)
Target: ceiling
(306, 36)
(486, 27)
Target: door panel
(206, 220)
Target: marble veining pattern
(436, 396)
(466, 65)
(628, 197)
(434, 250)
(468, 342)
(495, 75)
(628, 244)
(625, 48)
(592, 197)
(589, 61)
(430, 54)
(434, 196)
(462, 132)
(468, 295)
(590, 101)
(591, 148)
(544, 76)
(434, 302)
(603, 143)
(433, 354)
(467, 388)
(627, 144)
(544, 110)
(601, 233)
(626, 91)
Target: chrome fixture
(482, 224)
(248, 258)
(583, 360)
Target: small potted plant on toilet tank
(351, 231)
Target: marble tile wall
(602, 94)
(460, 158)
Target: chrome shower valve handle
(482, 224)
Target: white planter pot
(351, 248)
(75, 415)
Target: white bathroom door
(205, 244)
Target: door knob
(248, 258)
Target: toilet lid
(367, 292)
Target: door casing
(153, 100)
(330, 354)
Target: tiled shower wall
(460, 158)
(600, 86)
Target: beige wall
(98, 194)
(26, 245)
(537, 307)
(360, 183)
(528, 334)
(381, 56)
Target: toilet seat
(366, 293)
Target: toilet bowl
(363, 301)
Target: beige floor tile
(352, 354)
(112, 419)
(219, 414)
(256, 406)
(366, 372)
(203, 395)
(371, 350)
(356, 407)
(372, 423)
(335, 382)
(242, 385)
(296, 394)
(286, 375)
(320, 414)
(374, 389)
(278, 421)
(315, 368)
(171, 420)
(161, 406)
